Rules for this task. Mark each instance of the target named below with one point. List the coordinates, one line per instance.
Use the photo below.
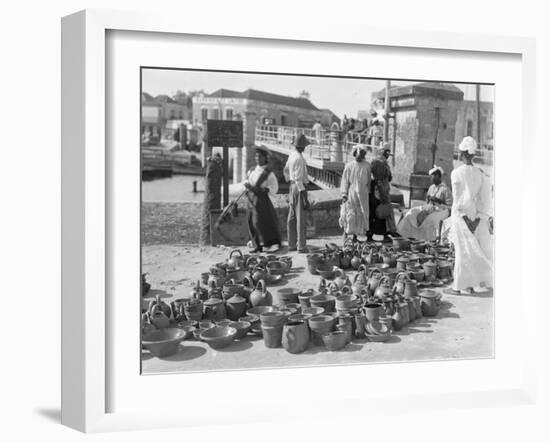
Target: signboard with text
(224, 133)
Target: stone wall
(178, 223)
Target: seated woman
(470, 226)
(423, 222)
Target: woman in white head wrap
(422, 222)
(469, 227)
(355, 187)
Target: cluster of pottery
(429, 264)
(145, 286)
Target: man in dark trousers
(382, 220)
(295, 172)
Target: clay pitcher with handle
(260, 296)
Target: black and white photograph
(309, 220)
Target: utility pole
(478, 115)
(387, 111)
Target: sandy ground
(462, 329)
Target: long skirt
(380, 194)
(354, 214)
(429, 228)
(473, 252)
(263, 226)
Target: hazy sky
(341, 95)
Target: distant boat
(187, 163)
(156, 161)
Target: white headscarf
(357, 148)
(433, 169)
(469, 145)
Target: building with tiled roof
(269, 108)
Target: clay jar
(346, 302)
(272, 335)
(373, 310)
(401, 316)
(236, 259)
(158, 318)
(178, 309)
(431, 301)
(214, 310)
(402, 262)
(295, 337)
(410, 289)
(193, 309)
(235, 307)
(345, 324)
(314, 260)
(443, 270)
(260, 296)
(305, 297)
(430, 269)
(326, 302)
(320, 325)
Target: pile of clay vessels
(382, 295)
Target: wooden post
(212, 197)
(478, 114)
(225, 176)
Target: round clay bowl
(325, 301)
(345, 302)
(335, 340)
(305, 317)
(272, 319)
(253, 319)
(218, 337)
(277, 267)
(288, 295)
(257, 311)
(326, 273)
(295, 305)
(321, 322)
(224, 322)
(205, 325)
(313, 311)
(165, 342)
(242, 327)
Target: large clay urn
(236, 307)
(401, 316)
(410, 290)
(373, 311)
(260, 296)
(320, 325)
(430, 269)
(295, 336)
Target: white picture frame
(86, 208)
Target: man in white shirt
(295, 172)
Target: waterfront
(174, 189)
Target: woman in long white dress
(355, 188)
(422, 222)
(469, 227)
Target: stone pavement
(463, 328)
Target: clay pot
(165, 308)
(374, 279)
(384, 288)
(346, 302)
(272, 335)
(389, 305)
(400, 243)
(288, 296)
(304, 317)
(193, 310)
(410, 289)
(335, 341)
(313, 311)
(295, 337)
(320, 325)
(252, 319)
(389, 258)
(402, 262)
(217, 275)
(401, 316)
(204, 278)
(430, 302)
(230, 288)
(373, 311)
(199, 292)
(305, 297)
(326, 302)
(355, 262)
(360, 322)
(178, 309)
(235, 307)
(340, 281)
(412, 309)
(443, 270)
(346, 324)
(236, 259)
(430, 269)
(294, 305)
(260, 296)
(271, 319)
(158, 318)
(214, 310)
(259, 273)
(314, 260)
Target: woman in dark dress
(263, 226)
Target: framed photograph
(248, 214)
